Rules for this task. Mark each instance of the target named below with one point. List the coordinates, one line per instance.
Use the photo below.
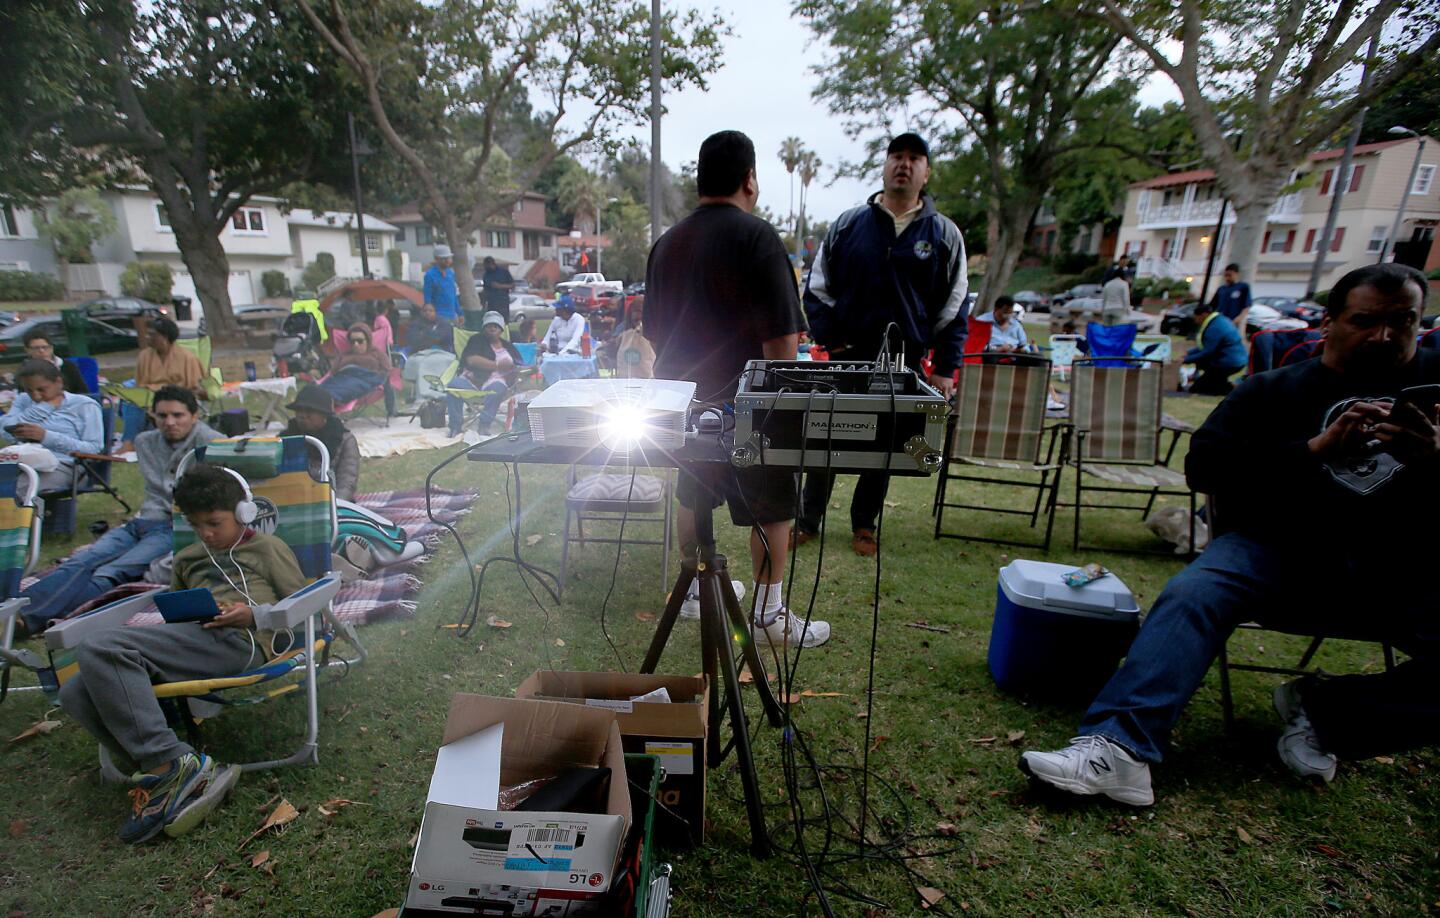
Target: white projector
(619, 414)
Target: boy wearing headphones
(177, 787)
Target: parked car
(591, 279)
(101, 336)
(1180, 320)
(123, 307)
(1076, 292)
(1032, 301)
(1303, 310)
(586, 297)
(1264, 316)
(528, 305)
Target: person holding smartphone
(1323, 478)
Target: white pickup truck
(597, 281)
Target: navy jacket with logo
(864, 278)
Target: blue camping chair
(89, 475)
(89, 369)
(1111, 340)
(302, 510)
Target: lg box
(675, 731)
(1054, 640)
(474, 858)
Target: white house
(313, 232)
(1169, 220)
(519, 242)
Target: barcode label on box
(549, 837)
(676, 758)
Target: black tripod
(723, 624)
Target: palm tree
(809, 168)
(580, 194)
(791, 149)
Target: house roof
(1205, 175)
(410, 213)
(334, 219)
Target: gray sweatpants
(111, 695)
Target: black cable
(615, 572)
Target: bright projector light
(623, 426)
(617, 414)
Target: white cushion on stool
(608, 492)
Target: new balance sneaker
(690, 608)
(1092, 765)
(1298, 745)
(159, 799)
(788, 631)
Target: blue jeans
(1238, 579)
(135, 420)
(494, 394)
(119, 556)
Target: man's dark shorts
(755, 495)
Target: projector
(618, 414)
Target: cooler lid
(1038, 584)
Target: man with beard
(1352, 439)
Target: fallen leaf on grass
(984, 740)
(17, 828)
(1244, 836)
(533, 539)
(644, 616)
(809, 694)
(451, 626)
(495, 622)
(559, 642)
(746, 678)
(891, 504)
(41, 727)
(946, 829)
(789, 698)
(929, 896)
(331, 807)
(878, 740)
(1014, 737)
(283, 814)
(260, 858)
(1384, 760)
(1328, 851)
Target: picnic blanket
(389, 592)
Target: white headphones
(246, 511)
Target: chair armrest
(11, 608)
(68, 634)
(295, 608)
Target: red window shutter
(1289, 241)
(1265, 243)
(1142, 246)
(1355, 175)
(1310, 241)
(1165, 248)
(1339, 239)
(1325, 182)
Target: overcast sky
(763, 89)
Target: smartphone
(10, 429)
(1426, 398)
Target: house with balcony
(1171, 222)
(520, 243)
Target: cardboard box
(675, 732)
(472, 858)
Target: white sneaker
(1054, 404)
(1092, 765)
(690, 608)
(787, 631)
(1298, 745)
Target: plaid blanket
(389, 592)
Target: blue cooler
(1058, 641)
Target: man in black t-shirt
(498, 284)
(719, 291)
(1325, 471)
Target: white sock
(768, 601)
(694, 591)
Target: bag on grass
(432, 414)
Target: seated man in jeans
(123, 555)
(1327, 453)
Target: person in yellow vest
(305, 302)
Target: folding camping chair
(302, 511)
(90, 474)
(1064, 349)
(1317, 636)
(1152, 347)
(1278, 347)
(1116, 423)
(20, 514)
(999, 423)
(623, 499)
(471, 396)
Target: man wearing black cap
(897, 260)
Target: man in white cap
(440, 289)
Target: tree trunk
(210, 268)
(464, 271)
(1248, 231)
(1009, 231)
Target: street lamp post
(359, 148)
(599, 235)
(1405, 197)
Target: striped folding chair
(999, 423)
(1116, 423)
(299, 510)
(20, 515)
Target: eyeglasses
(356, 339)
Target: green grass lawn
(1232, 832)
